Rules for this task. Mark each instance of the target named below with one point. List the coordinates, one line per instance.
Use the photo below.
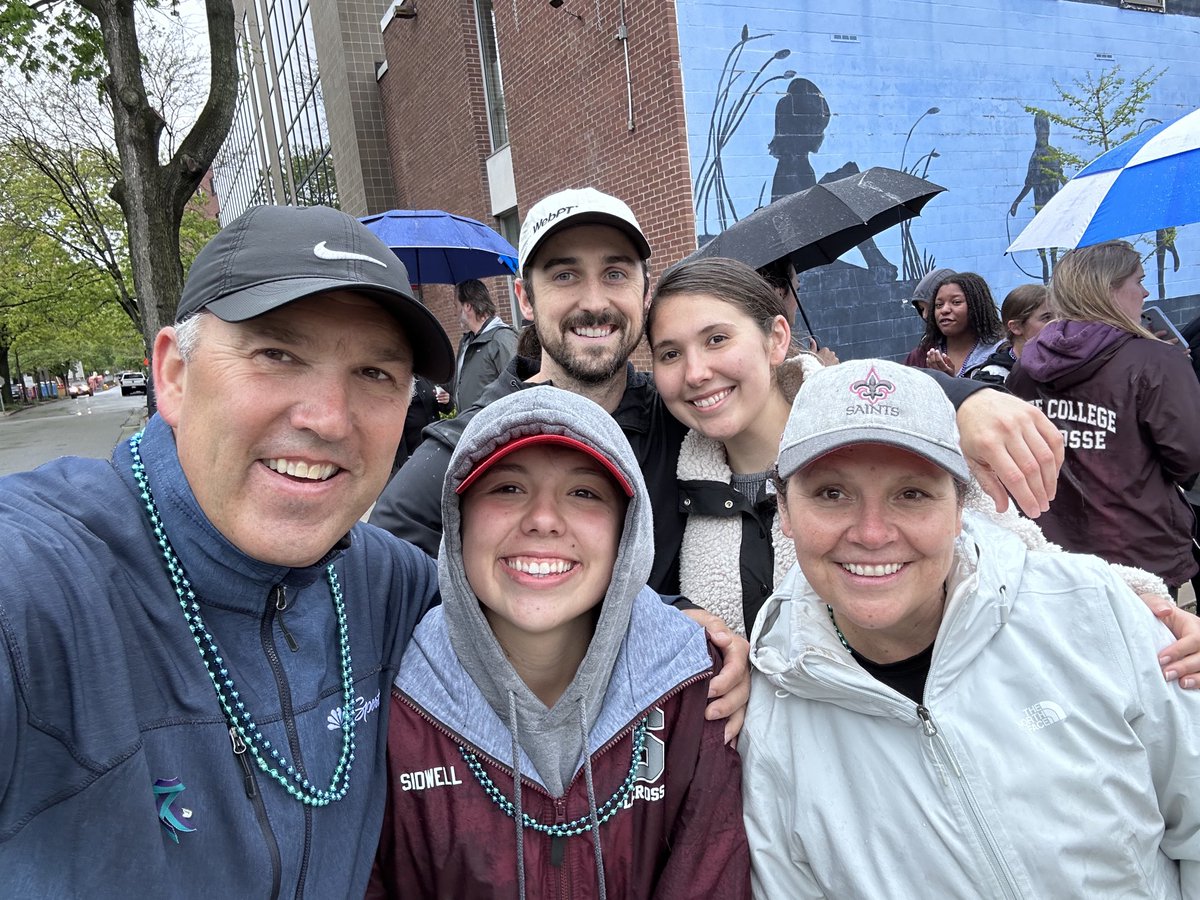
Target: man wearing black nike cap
(197, 637)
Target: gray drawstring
(591, 792)
(518, 817)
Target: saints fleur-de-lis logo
(873, 388)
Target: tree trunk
(153, 196)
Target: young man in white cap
(197, 638)
(585, 285)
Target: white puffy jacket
(1049, 759)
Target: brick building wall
(436, 123)
(568, 113)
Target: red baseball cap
(532, 439)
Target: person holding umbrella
(486, 346)
(1126, 404)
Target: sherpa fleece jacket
(104, 697)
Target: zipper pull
(239, 750)
(926, 721)
(280, 606)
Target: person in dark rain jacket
(1127, 405)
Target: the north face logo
(1041, 715)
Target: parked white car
(131, 383)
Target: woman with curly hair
(1126, 404)
(963, 328)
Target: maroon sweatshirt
(680, 835)
(1128, 409)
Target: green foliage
(1103, 110)
(58, 37)
(57, 300)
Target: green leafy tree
(56, 306)
(96, 42)
(1102, 110)
(1105, 110)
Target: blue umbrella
(438, 247)
(1150, 181)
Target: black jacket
(410, 506)
(994, 369)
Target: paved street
(90, 426)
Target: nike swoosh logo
(323, 252)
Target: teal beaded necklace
(841, 637)
(235, 710)
(583, 824)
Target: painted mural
(779, 100)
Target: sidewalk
(135, 422)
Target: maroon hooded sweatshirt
(1128, 408)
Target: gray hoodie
(553, 739)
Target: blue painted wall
(881, 66)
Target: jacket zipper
(995, 858)
(559, 803)
(260, 810)
(944, 757)
(280, 605)
(277, 601)
(562, 870)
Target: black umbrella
(817, 225)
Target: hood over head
(1068, 351)
(555, 738)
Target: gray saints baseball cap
(871, 401)
(272, 255)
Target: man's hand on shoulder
(1012, 449)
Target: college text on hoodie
(1049, 758)
(1128, 408)
(118, 776)
(670, 815)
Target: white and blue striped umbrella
(1150, 181)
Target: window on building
(509, 227)
(493, 85)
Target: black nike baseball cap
(272, 255)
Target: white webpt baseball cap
(577, 206)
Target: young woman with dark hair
(963, 328)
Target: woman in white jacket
(938, 711)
